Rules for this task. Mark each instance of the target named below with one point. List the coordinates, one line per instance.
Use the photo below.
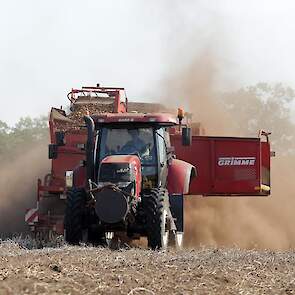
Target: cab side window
(161, 146)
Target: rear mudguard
(180, 174)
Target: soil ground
(87, 270)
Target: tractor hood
(130, 159)
(120, 169)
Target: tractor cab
(120, 136)
(150, 144)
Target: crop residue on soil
(78, 270)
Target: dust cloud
(246, 222)
(18, 183)
(193, 88)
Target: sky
(48, 47)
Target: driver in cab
(135, 145)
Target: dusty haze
(247, 222)
(18, 182)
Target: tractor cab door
(231, 166)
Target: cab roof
(151, 118)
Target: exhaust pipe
(90, 147)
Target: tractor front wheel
(74, 216)
(156, 206)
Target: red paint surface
(179, 175)
(213, 179)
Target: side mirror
(52, 151)
(60, 138)
(186, 136)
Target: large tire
(155, 205)
(74, 216)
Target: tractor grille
(115, 172)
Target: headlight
(69, 178)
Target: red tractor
(116, 176)
(123, 187)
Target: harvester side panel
(69, 155)
(67, 160)
(227, 165)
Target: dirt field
(81, 270)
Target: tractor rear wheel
(74, 216)
(156, 206)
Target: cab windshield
(129, 141)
